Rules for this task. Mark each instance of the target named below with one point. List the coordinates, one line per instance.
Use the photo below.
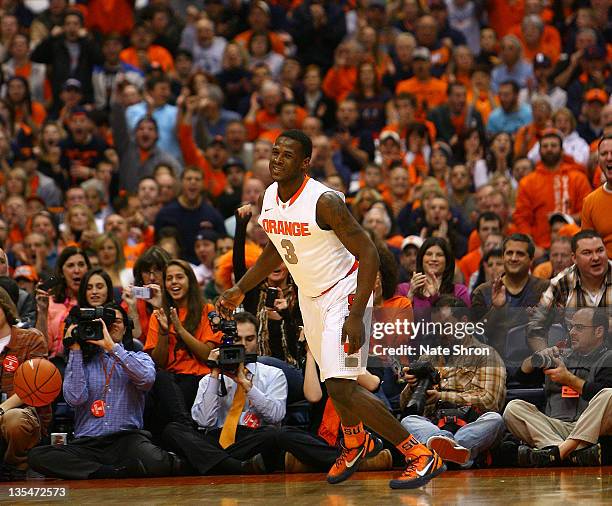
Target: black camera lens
(89, 331)
(539, 361)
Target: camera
(540, 361)
(50, 283)
(427, 376)
(231, 355)
(141, 292)
(87, 329)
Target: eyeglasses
(152, 272)
(579, 327)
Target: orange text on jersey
(292, 228)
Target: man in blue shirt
(189, 213)
(510, 115)
(513, 67)
(106, 385)
(159, 92)
(252, 405)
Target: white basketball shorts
(323, 318)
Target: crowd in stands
(471, 138)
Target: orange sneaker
(348, 461)
(419, 471)
(448, 449)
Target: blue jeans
(476, 436)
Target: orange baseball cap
(569, 230)
(596, 95)
(26, 271)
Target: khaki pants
(20, 431)
(536, 429)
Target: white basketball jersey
(316, 258)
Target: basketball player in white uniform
(334, 264)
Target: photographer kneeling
(106, 385)
(578, 391)
(461, 418)
(236, 414)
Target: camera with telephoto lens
(541, 361)
(427, 376)
(231, 355)
(87, 329)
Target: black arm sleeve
(536, 378)
(251, 298)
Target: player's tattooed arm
(332, 214)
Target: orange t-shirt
(598, 177)
(596, 212)
(181, 361)
(278, 46)
(155, 54)
(39, 114)
(107, 16)
(395, 241)
(132, 252)
(550, 43)
(458, 122)
(440, 56)
(460, 78)
(418, 170)
(470, 263)
(431, 93)
(474, 239)
(270, 135)
(214, 180)
(431, 128)
(339, 82)
(266, 122)
(483, 104)
(144, 317)
(530, 131)
(503, 14)
(543, 270)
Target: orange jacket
(214, 180)
(543, 192)
(429, 94)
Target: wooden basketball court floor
(509, 487)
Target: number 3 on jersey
(291, 257)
